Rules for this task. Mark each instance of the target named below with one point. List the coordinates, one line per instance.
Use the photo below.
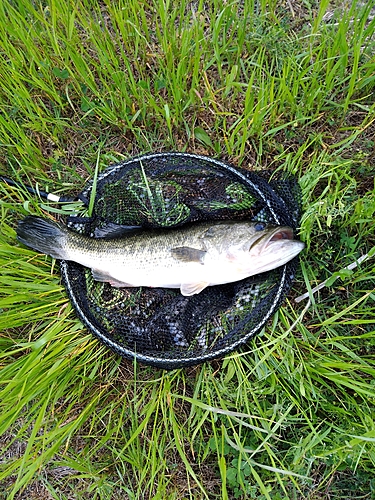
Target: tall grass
(265, 85)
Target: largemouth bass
(190, 258)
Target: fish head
(258, 248)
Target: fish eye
(259, 226)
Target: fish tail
(43, 235)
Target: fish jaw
(275, 254)
(270, 251)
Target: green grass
(265, 85)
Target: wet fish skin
(190, 258)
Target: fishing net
(161, 327)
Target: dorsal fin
(111, 230)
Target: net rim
(180, 361)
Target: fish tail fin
(43, 235)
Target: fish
(190, 257)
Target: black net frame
(160, 327)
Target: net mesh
(161, 327)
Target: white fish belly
(164, 275)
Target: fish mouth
(280, 233)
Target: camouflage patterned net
(161, 327)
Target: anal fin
(106, 278)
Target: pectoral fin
(188, 289)
(187, 254)
(105, 278)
